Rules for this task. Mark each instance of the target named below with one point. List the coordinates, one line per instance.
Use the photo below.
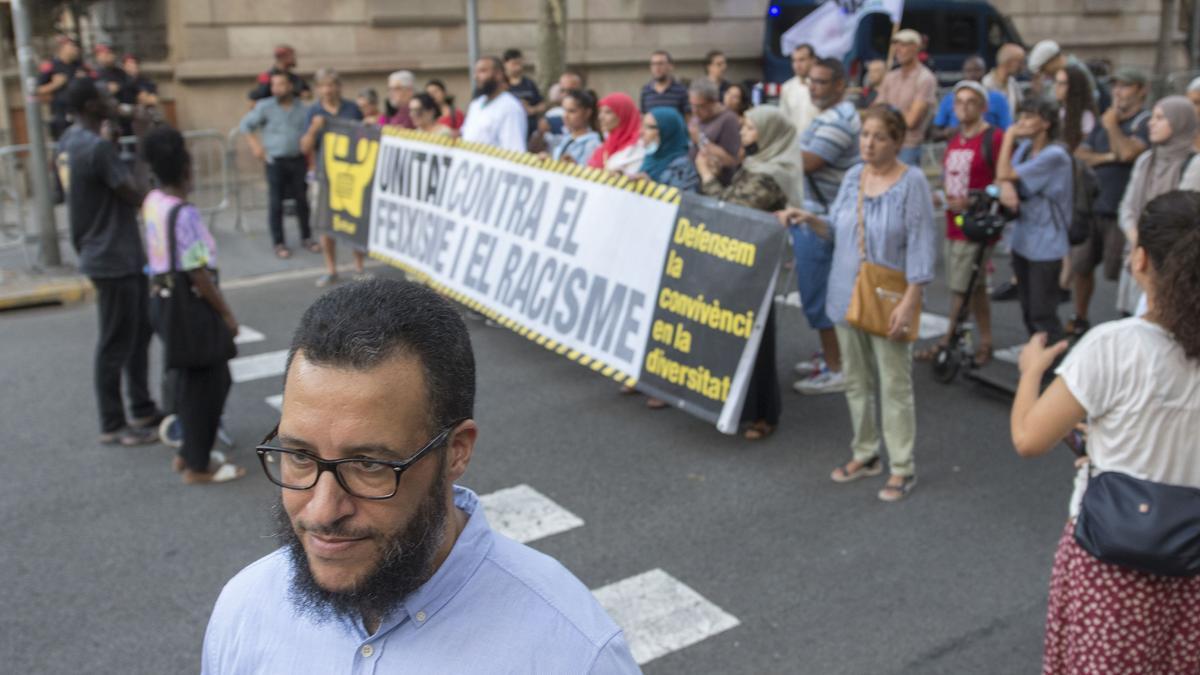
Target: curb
(62, 291)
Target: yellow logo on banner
(348, 175)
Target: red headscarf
(629, 128)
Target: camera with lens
(984, 219)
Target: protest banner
(665, 291)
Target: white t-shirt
(500, 122)
(795, 102)
(1142, 397)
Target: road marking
(290, 275)
(268, 364)
(276, 402)
(524, 514)
(660, 614)
(1008, 354)
(247, 335)
(932, 325)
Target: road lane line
(268, 364)
(247, 335)
(932, 325)
(660, 614)
(276, 401)
(524, 514)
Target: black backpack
(1085, 188)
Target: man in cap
(996, 114)
(1045, 60)
(1010, 61)
(969, 164)
(911, 89)
(54, 76)
(1110, 149)
(285, 62)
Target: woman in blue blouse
(580, 138)
(899, 233)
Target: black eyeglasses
(362, 477)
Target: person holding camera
(1035, 174)
(1137, 383)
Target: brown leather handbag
(877, 289)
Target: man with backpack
(969, 164)
(1110, 150)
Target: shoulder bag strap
(812, 185)
(172, 219)
(989, 148)
(862, 235)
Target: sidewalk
(240, 256)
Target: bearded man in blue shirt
(386, 564)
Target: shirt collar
(472, 546)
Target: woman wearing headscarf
(665, 140)
(771, 179)
(621, 125)
(1173, 127)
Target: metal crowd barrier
(211, 188)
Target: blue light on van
(774, 10)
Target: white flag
(831, 27)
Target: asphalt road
(109, 564)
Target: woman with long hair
(1077, 105)
(1137, 383)
(1162, 168)
(883, 214)
(621, 124)
(579, 138)
(771, 179)
(425, 113)
(450, 115)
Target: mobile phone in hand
(1076, 442)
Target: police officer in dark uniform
(285, 62)
(107, 72)
(54, 76)
(138, 89)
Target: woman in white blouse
(1137, 383)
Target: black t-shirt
(1112, 177)
(58, 99)
(263, 87)
(104, 227)
(527, 92)
(133, 87)
(112, 75)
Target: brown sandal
(282, 252)
(930, 353)
(983, 355)
(757, 431)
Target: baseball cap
(908, 36)
(1042, 53)
(973, 86)
(1131, 76)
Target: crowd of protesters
(1090, 174)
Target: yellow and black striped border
(646, 188)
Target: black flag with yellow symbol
(345, 174)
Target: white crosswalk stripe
(660, 614)
(932, 325)
(524, 514)
(247, 335)
(258, 366)
(275, 401)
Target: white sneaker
(813, 366)
(826, 382)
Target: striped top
(832, 136)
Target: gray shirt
(282, 126)
(900, 234)
(104, 227)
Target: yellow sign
(349, 175)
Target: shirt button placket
(367, 651)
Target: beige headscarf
(778, 154)
(1164, 169)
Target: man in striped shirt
(830, 147)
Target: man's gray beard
(404, 565)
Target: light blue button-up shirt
(494, 606)
(281, 126)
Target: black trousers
(285, 179)
(763, 401)
(199, 400)
(123, 347)
(1038, 293)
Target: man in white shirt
(795, 100)
(496, 117)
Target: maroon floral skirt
(1108, 619)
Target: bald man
(1010, 61)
